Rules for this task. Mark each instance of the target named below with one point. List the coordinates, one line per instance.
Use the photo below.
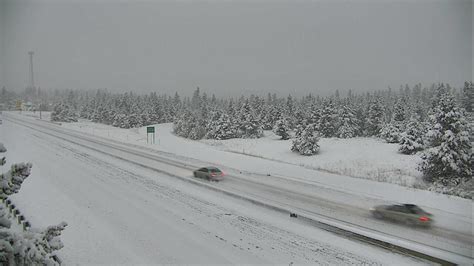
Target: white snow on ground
(119, 213)
(367, 158)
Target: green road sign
(150, 129)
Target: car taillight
(424, 219)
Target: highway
(310, 201)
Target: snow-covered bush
(306, 141)
(449, 158)
(11, 181)
(32, 247)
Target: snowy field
(119, 213)
(367, 158)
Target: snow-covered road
(120, 194)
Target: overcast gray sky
(232, 47)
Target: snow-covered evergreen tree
(468, 96)
(198, 129)
(399, 110)
(306, 141)
(449, 159)
(411, 140)
(63, 113)
(249, 126)
(181, 126)
(374, 119)
(221, 128)
(349, 125)
(390, 132)
(328, 120)
(281, 129)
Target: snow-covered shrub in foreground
(32, 247)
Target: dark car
(209, 173)
(406, 213)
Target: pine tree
(328, 120)
(63, 113)
(281, 129)
(390, 132)
(399, 112)
(181, 125)
(349, 125)
(221, 128)
(374, 120)
(449, 160)
(468, 96)
(411, 140)
(249, 126)
(306, 141)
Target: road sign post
(150, 130)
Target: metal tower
(32, 80)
